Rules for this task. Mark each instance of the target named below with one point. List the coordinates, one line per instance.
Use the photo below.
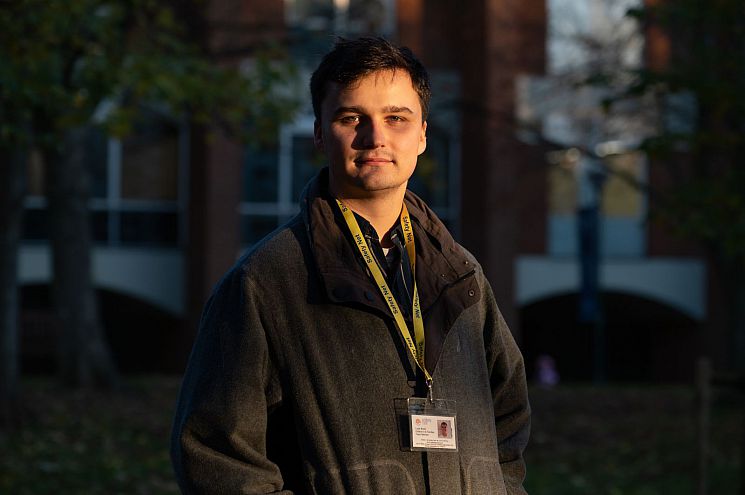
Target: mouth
(373, 160)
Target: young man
(329, 354)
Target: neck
(382, 211)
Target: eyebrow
(388, 109)
(395, 109)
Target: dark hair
(351, 60)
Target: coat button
(471, 292)
(369, 296)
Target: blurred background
(588, 152)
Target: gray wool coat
(298, 367)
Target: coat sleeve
(510, 396)
(218, 442)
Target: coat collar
(440, 263)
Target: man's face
(444, 429)
(371, 133)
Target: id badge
(432, 425)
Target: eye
(396, 120)
(349, 119)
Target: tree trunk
(84, 358)
(735, 291)
(12, 191)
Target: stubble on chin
(365, 186)
(379, 178)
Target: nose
(373, 135)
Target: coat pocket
(377, 477)
(484, 477)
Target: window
(274, 177)
(312, 24)
(350, 17)
(135, 186)
(621, 204)
(587, 37)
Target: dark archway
(140, 334)
(645, 340)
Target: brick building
(173, 209)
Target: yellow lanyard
(417, 349)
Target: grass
(628, 440)
(88, 442)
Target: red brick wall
(238, 27)
(233, 31)
(504, 180)
(489, 43)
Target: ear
(423, 139)
(318, 135)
